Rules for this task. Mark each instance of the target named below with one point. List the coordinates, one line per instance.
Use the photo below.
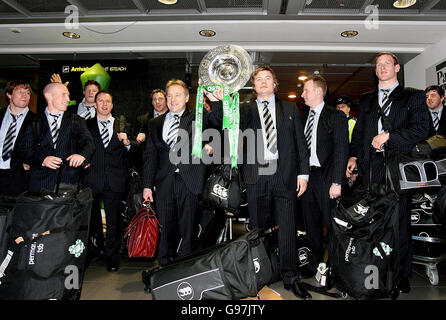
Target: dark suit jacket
(108, 165)
(441, 126)
(74, 137)
(16, 163)
(332, 143)
(143, 120)
(158, 171)
(293, 154)
(409, 119)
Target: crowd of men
(313, 156)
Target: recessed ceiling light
(292, 96)
(349, 33)
(299, 85)
(316, 72)
(207, 33)
(302, 78)
(71, 35)
(401, 4)
(16, 30)
(168, 2)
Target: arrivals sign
(436, 74)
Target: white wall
(415, 69)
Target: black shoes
(298, 290)
(112, 265)
(404, 285)
(306, 273)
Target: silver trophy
(228, 65)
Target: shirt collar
(391, 88)
(271, 101)
(319, 107)
(439, 111)
(24, 111)
(47, 112)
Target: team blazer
(74, 137)
(332, 143)
(158, 171)
(16, 163)
(441, 126)
(107, 164)
(408, 116)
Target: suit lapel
(159, 129)
(63, 130)
(279, 113)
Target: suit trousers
(405, 203)
(12, 183)
(316, 207)
(270, 203)
(112, 205)
(177, 214)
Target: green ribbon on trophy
(231, 120)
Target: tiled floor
(126, 284)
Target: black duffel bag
(224, 189)
(364, 240)
(235, 270)
(439, 208)
(48, 238)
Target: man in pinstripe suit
(107, 175)
(175, 187)
(280, 171)
(326, 132)
(53, 137)
(409, 121)
(14, 173)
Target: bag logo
(256, 264)
(387, 249)
(302, 255)
(220, 192)
(185, 291)
(414, 217)
(360, 209)
(350, 249)
(77, 248)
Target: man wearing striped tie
(435, 101)
(326, 133)
(175, 187)
(53, 137)
(406, 123)
(280, 171)
(13, 120)
(107, 176)
(86, 108)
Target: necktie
(384, 99)
(104, 133)
(309, 130)
(173, 131)
(88, 115)
(54, 128)
(9, 138)
(436, 121)
(271, 135)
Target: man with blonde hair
(175, 187)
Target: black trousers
(405, 203)
(316, 207)
(177, 214)
(12, 183)
(271, 203)
(112, 205)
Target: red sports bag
(143, 233)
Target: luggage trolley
(428, 243)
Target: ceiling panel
(108, 4)
(43, 5)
